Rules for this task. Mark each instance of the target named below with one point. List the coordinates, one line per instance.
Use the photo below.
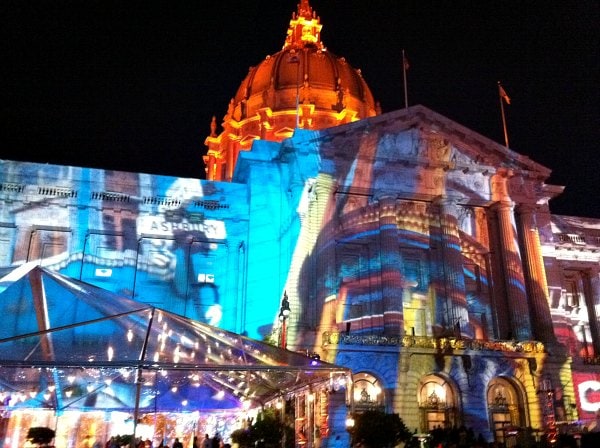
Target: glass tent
(67, 345)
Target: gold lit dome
(321, 78)
(301, 86)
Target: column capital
(447, 200)
(499, 185)
(526, 208)
(503, 205)
(386, 199)
(448, 204)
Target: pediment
(419, 153)
(418, 135)
(248, 139)
(285, 132)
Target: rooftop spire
(305, 28)
(304, 9)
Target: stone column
(232, 153)
(513, 272)
(535, 275)
(592, 302)
(391, 263)
(454, 278)
(321, 266)
(210, 167)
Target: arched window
(505, 409)
(368, 393)
(437, 403)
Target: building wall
(412, 250)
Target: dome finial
(304, 9)
(304, 28)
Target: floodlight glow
(349, 422)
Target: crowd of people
(206, 442)
(210, 442)
(463, 437)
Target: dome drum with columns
(302, 86)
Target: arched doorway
(368, 393)
(505, 409)
(437, 403)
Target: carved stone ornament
(395, 146)
(435, 148)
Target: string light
(110, 353)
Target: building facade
(413, 250)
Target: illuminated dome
(301, 86)
(306, 72)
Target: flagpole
(501, 98)
(404, 63)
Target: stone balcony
(435, 343)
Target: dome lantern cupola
(305, 28)
(302, 86)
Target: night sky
(132, 85)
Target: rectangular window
(49, 245)
(415, 270)
(472, 278)
(580, 306)
(416, 300)
(571, 292)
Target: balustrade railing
(592, 360)
(440, 343)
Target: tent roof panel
(82, 336)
